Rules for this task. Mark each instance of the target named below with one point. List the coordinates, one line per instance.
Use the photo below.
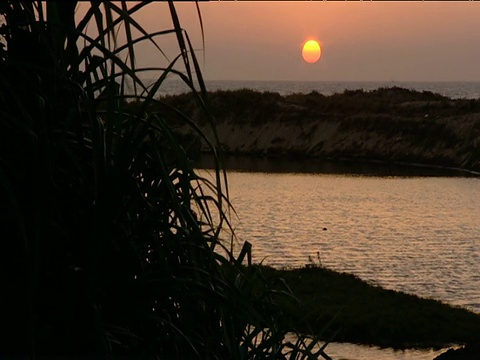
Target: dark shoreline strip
(359, 312)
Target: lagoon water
(417, 234)
(411, 230)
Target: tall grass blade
(115, 244)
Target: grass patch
(397, 125)
(358, 312)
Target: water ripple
(419, 235)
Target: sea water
(452, 89)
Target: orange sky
(400, 41)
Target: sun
(311, 51)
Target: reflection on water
(412, 230)
(349, 351)
(414, 234)
(345, 351)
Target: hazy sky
(377, 41)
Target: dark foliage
(111, 243)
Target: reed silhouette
(110, 241)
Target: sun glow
(311, 51)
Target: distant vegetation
(394, 100)
(391, 125)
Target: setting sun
(311, 51)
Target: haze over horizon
(361, 41)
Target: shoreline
(389, 125)
(374, 315)
(451, 88)
(344, 165)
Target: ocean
(451, 89)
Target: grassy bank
(358, 312)
(389, 125)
